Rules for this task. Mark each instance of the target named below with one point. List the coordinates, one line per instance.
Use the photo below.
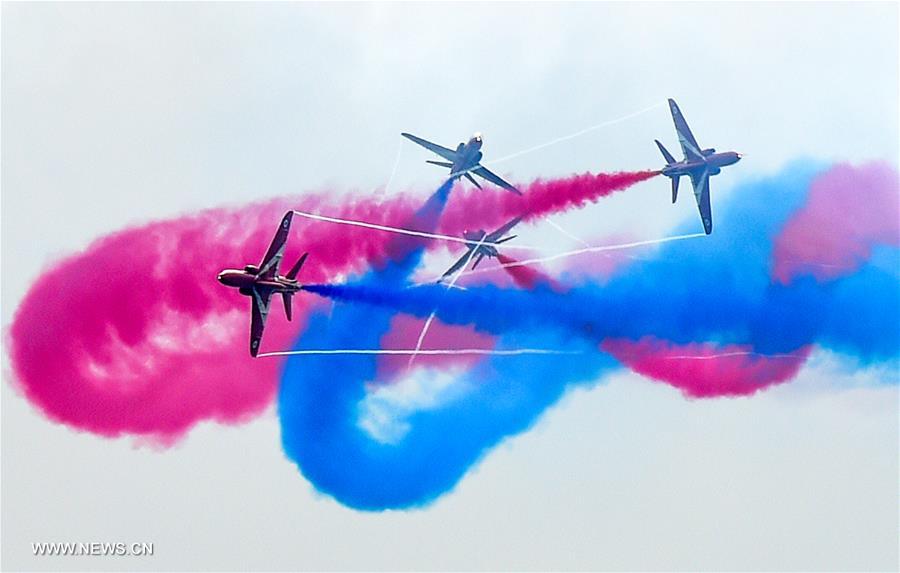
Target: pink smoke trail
(134, 336)
(525, 276)
(849, 211)
(706, 370)
(472, 208)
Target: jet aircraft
(464, 161)
(261, 282)
(481, 244)
(698, 164)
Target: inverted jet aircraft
(464, 161)
(698, 164)
(481, 244)
(261, 282)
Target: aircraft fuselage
(468, 155)
(486, 249)
(246, 280)
(714, 162)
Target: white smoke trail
(394, 168)
(585, 243)
(425, 352)
(566, 233)
(818, 264)
(419, 285)
(400, 230)
(727, 354)
(596, 249)
(421, 339)
(450, 285)
(574, 135)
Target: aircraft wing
(268, 268)
(447, 154)
(689, 145)
(496, 235)
(484, 172)
(458, 264)
(259, 312)
(701, 193)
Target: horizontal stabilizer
(472, 179)
(441, 163)
(675, 188)
(509, 238)
(293, 272)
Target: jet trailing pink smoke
(135, 336)
(131, 336)
(849, 211)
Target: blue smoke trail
(319, 410)
(716, 289)
(319, 402)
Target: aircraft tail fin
(286, 296)
(296, 269)
(675, 188)
(665, 152)
(441, 163)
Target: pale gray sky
(115, 114)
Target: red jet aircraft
(261, 282)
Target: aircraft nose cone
(221, 277)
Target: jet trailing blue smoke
(715, 289)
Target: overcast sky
(115, 114)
